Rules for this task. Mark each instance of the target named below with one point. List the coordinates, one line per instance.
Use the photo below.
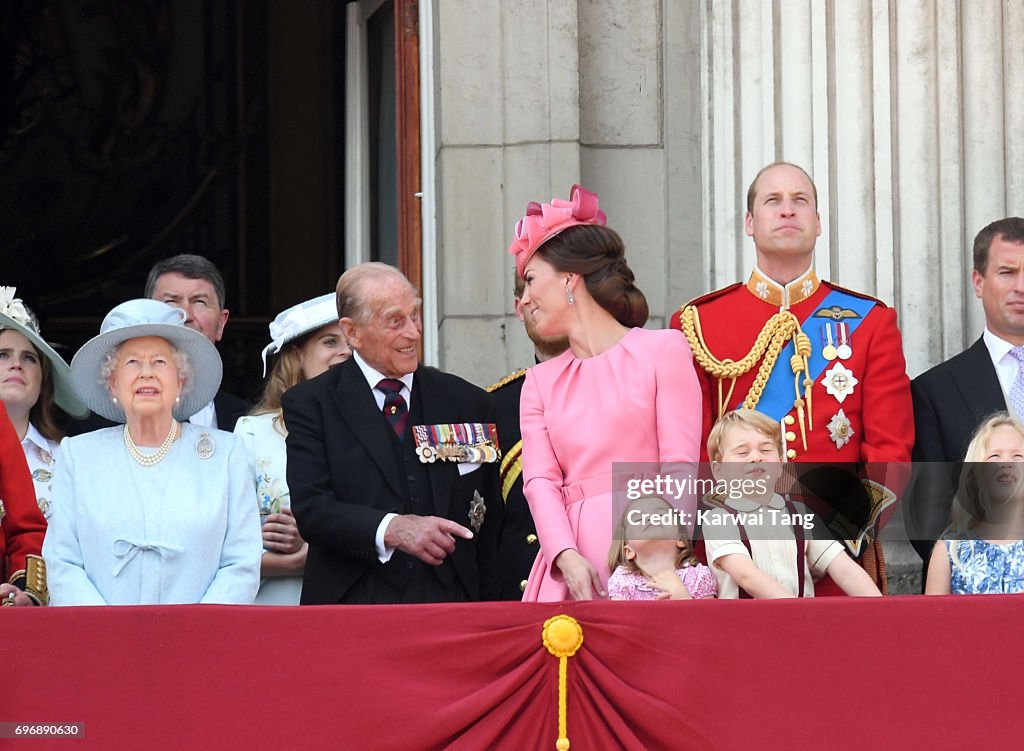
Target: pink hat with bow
(544, 221)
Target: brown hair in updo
(597, 254)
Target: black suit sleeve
(930, 495)
(326, 518)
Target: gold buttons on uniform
(790, 435)
(788, 419)
(522, 585)
(531, 539)
(791, 454)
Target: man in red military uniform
(825, 361)
(22, 526)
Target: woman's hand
(670, 586)
(281, 534)
(580, 575)
(11, 594)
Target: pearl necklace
(149, 460)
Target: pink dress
(639, 401)
(624, 584)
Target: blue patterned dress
(982, 567)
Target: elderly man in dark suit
(384, 524)
(955, 396)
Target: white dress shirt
(1005, 364)
(373, 377)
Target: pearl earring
(177, 400)
(568, 295)
(113, 399)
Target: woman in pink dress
(618, 394)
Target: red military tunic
(22, 525)
(859, 411)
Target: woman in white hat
(307, 340)
(35, 383)
(157, 510)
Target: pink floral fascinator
(545, 220)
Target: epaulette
(854, 292)
(507, 380)
(674, 321)
(712, 295)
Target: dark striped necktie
(395, 409)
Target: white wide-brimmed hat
(144, 317)
(16, 316)
(298, 320)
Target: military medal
(465, 442)
(2, 511)
(828, 350)
(843, 350)
(839, 381)
(839, 429)
(205, 446)
(477, 510)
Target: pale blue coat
(186, 530)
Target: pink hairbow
(544, 221)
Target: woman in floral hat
(35, 386)
(307, 340)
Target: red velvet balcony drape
(834, 673)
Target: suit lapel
(436, 409)
(358, 408)
(978, 383)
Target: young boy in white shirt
(758, 544)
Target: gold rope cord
(562, 636)
(773, 337)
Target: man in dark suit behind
(518, 543)
(193, 284)
(955, 396)
(382, 525)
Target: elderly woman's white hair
(181, 361)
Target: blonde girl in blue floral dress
(983, 549)
(307, 341)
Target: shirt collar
(746, 505)
(374, 376)
(36, 438)
(783, 296)
(997, 348)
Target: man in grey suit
(955, 396)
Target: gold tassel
(562, 636)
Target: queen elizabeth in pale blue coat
(157, 511)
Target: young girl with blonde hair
(982, 551)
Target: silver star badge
(477, 510)
(839, 381)
(839, 429)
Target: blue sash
(778, 396)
